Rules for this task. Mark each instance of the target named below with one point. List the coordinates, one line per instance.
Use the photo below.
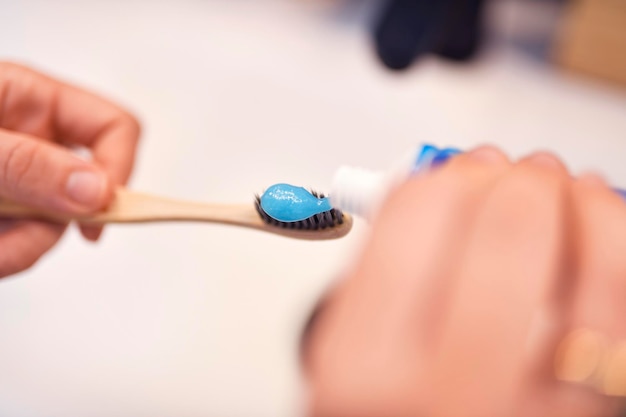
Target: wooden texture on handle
(133, 207)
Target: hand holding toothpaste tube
(487, 288)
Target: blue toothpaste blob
(288, 203)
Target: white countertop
(201, 320)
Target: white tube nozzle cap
(357, 191)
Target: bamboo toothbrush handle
(132, 207)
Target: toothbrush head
(332, 218)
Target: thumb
(46, 175)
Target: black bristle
(331, 218)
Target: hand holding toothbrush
(40, 120)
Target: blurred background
(203, 320)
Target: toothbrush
(133, 207)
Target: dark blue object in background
(408, 29)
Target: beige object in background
(593, 39)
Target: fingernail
(92, 234)
(486, 154)
(593, 179)
(86, 188)
(545, 160)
